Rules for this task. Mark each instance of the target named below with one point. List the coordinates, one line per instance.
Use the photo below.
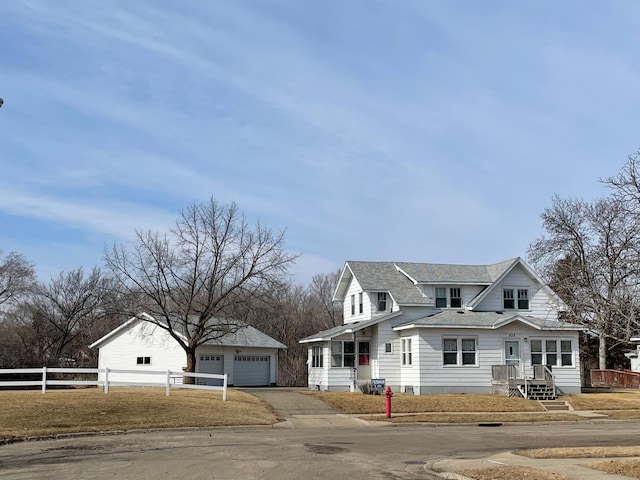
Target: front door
(364, 362)
(512, 358)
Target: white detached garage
(248, 356)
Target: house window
(441, 297)
(523, 299)
(143, 360)
(509, 298)
(360, 303)
(343, 354)
(353, 304)
(316, 356)
(387, 347)
(406, 352)
(508, 303)
(453, 300)
(382, 301)
(459, 351)
(551, 352)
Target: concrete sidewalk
(571, 467)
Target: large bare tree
(191, 279)
(590, 257)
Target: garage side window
(143, 360)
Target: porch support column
(354, 386)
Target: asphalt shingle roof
(385, 276)
(471, 319)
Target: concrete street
(313, 442)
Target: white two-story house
(433, 328)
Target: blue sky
(432, 131)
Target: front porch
(508, 380)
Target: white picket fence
(107, 377)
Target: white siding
(355, 289)
(142, 340)
(147, 340)
(410, 374)
(540, 303)
(437, 378)
(369, 301)
(319, 376)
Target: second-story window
(509, 298)
(441, 297)
(508, 302)
(382, 301)
(455, 298)
(448, 297)
(353, 304)
(523, 299)
(360, 303)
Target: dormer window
(448, 297)
(454, 298)
(382, 301)
(523, 299)
(510, 295)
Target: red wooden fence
(615, 379)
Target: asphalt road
(366, 452)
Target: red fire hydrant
(388, 394)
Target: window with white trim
(557, 353)
(143, 360)
(353, 304)
(316, 356)
(523, 299)
(510, 295)
(461, 351)
(343, 354)
(382, 301)
(407, 358)
(360, 303)
(448, 297)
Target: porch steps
(554, 405)
(541, 391)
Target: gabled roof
(347, 328)
(245, 336)
(484, 320)
(402, 279)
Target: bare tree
(590, 257)
(210, 262)
(17, 277)
(322, 287)
(62, 316)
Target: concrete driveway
(305, 411)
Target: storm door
(512, 358)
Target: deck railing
(615, 378)
(104, 377)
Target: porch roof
(346, 328)
(484, 320)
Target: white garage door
(210, 364)
(250, 370)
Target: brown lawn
(31, 413)
(511, 473)
(358, 403)
(619, 400)
(628, 468)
